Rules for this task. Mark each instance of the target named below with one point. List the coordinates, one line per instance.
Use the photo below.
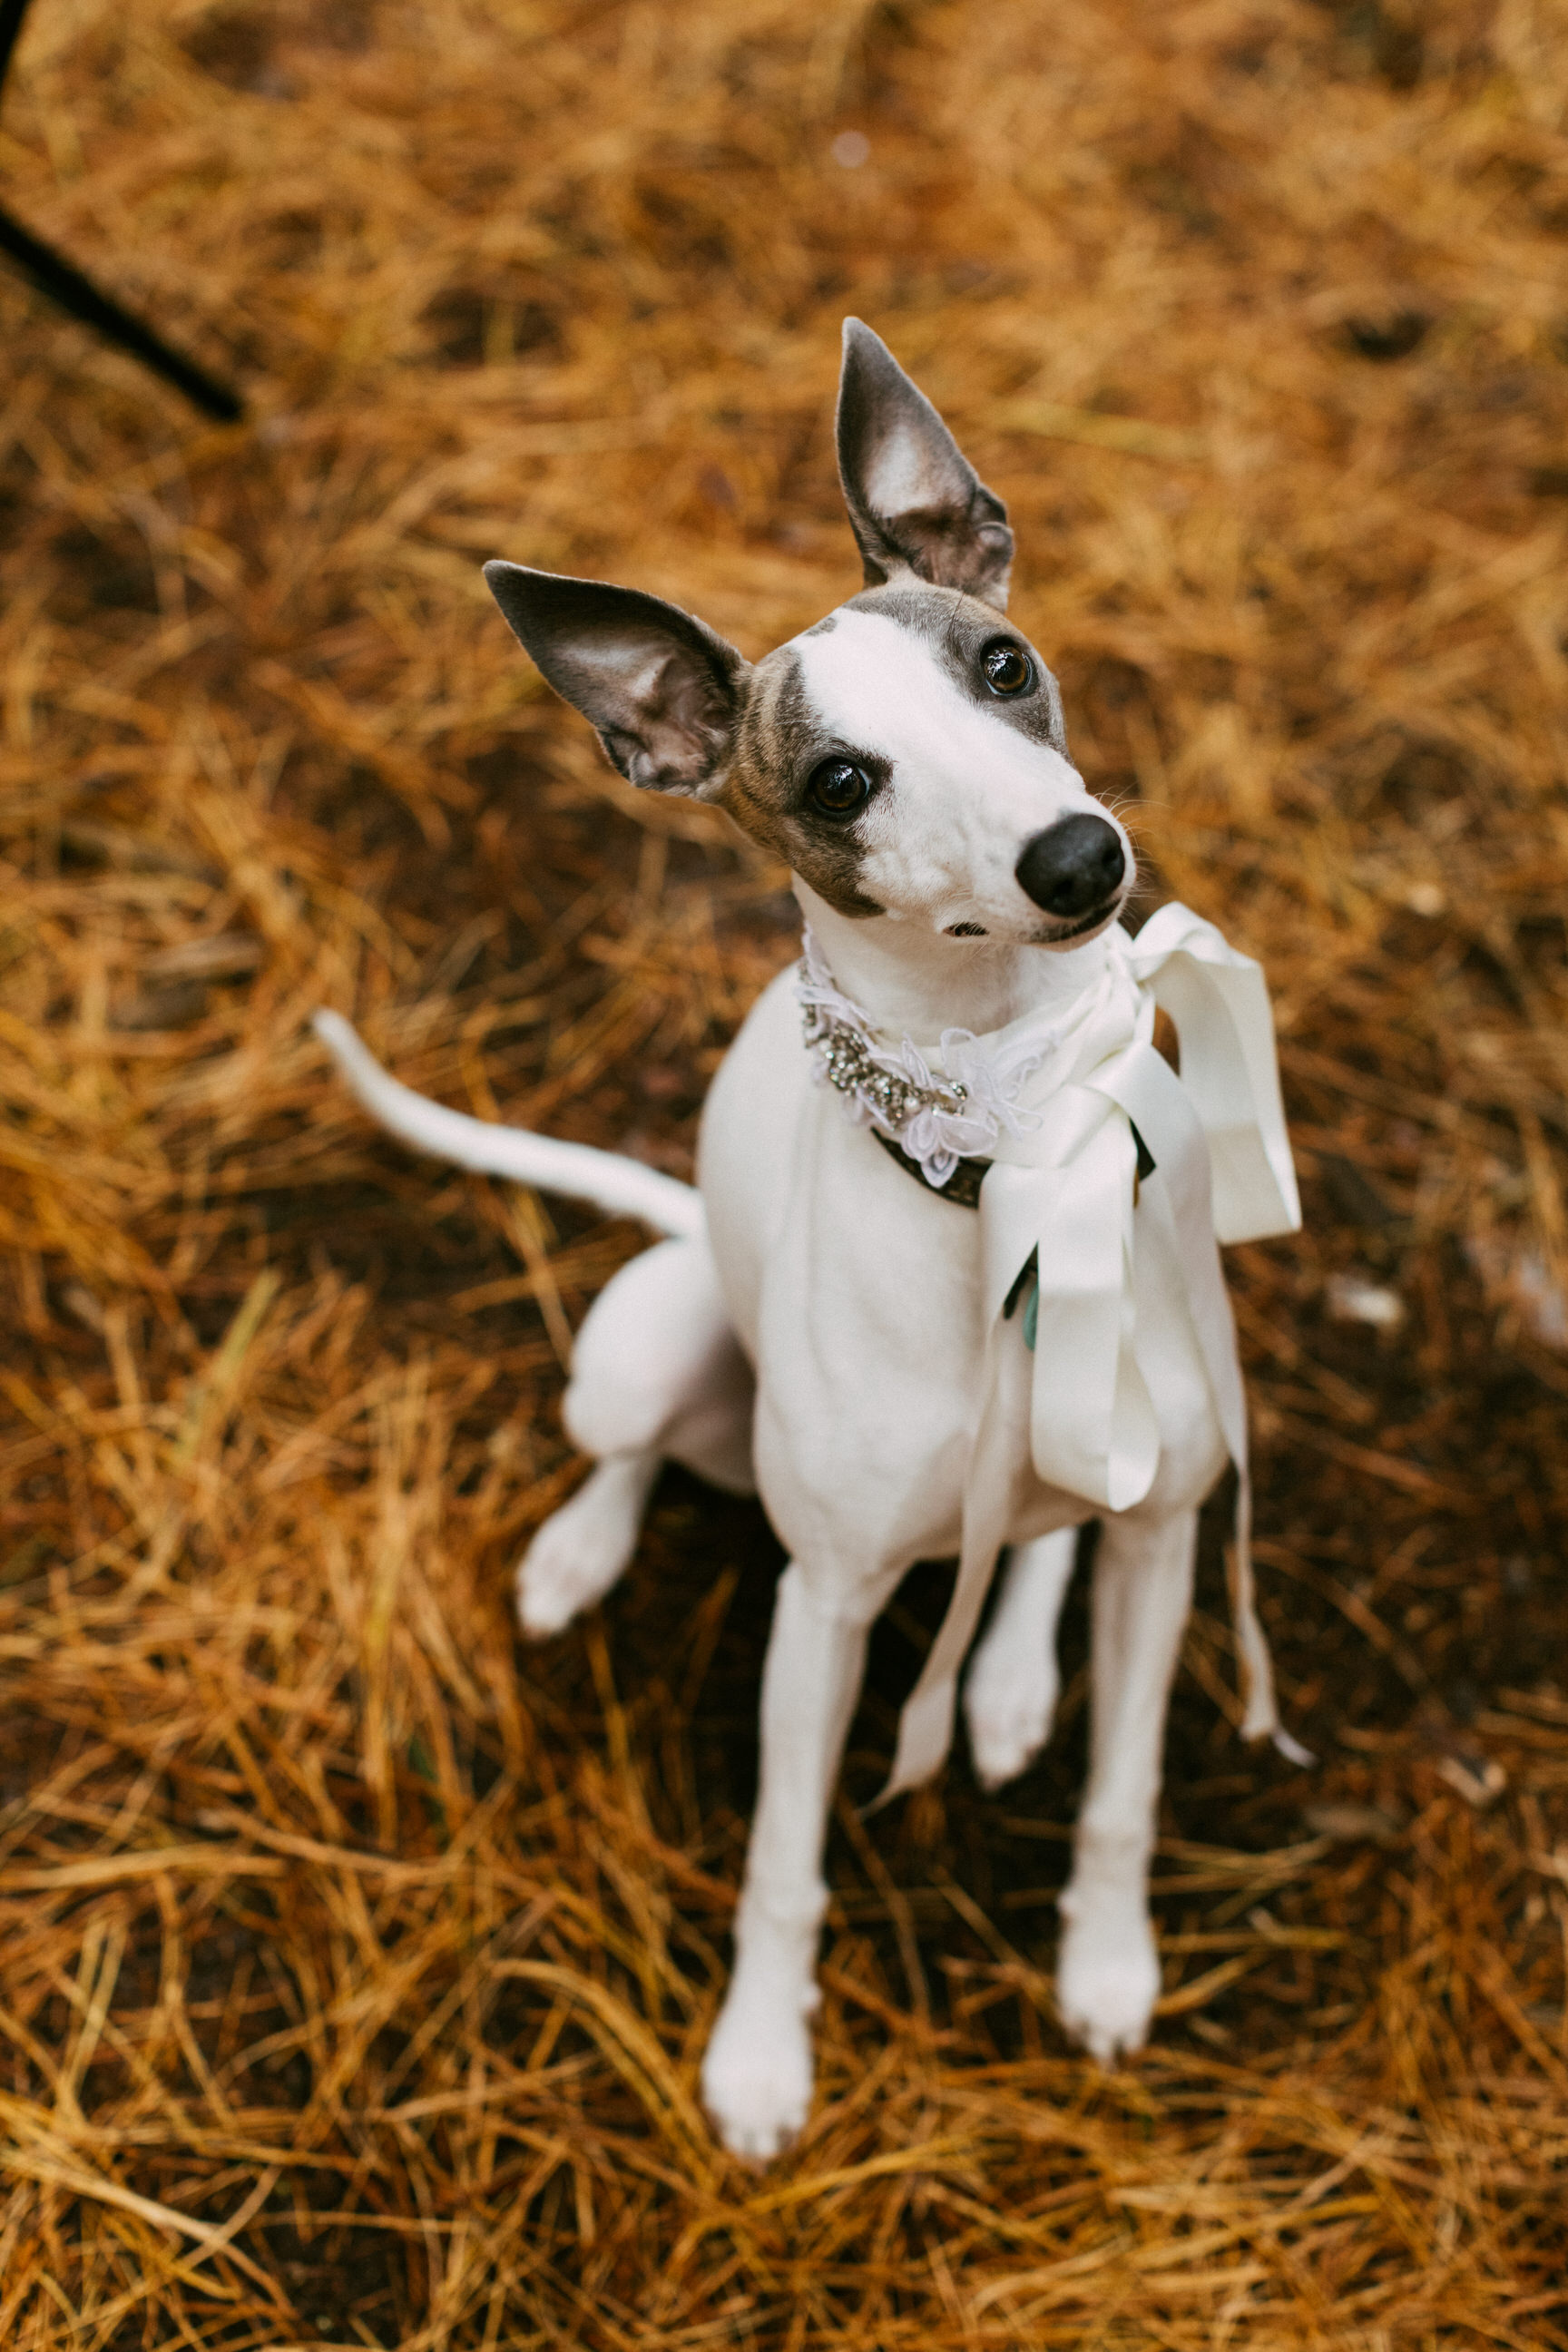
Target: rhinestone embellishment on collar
(935, 1120)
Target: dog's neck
(913, 983)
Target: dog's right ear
(916, 504)
(660, 687)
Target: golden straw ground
(355, 1963)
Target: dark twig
(11, 15)
(64, 283)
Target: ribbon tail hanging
(925, 1725)
(1179, 1198)
(1261, 1719)
(1093, 1431)
(1219, 1163)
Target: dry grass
(356, 1963)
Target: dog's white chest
(859, 1294)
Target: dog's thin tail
(621, 1187)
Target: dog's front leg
(756, 2077)
(1108, 1973)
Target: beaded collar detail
(936, 1119)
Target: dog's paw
(558, 1576)
(1107, 1975)
(756, 2080)
(1009, 1701)
(581, 1549)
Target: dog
(949, 1282)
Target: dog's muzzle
(1076, 865)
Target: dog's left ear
(916, 504)
(660, 686)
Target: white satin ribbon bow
(1066, 1189)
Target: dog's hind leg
(1010, 1690)
(756, 2076)
(657, 1373)
(1108, 1972)
(582, 1549)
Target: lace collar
(935, 1119)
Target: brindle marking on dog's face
(960, 629)
(962, 766)
(779, 744)
(961, 775)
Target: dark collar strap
(962, 1188)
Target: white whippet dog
(966, 1296)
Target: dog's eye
(839, 787)
(1007, 668)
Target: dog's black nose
(1074, 864)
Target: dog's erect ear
(661, 688)
(916, 504)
